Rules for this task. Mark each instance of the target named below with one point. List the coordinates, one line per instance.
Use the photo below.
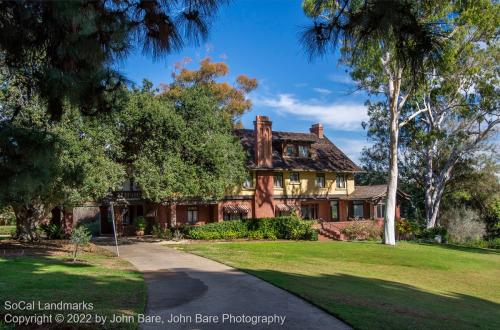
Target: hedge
(291, 227)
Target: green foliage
(80, 236)
(429, 234)
(52, 231)
(482, 243)
(180, 148)
(93, 227)
(164, 233)
(140, 223)
(265, 228)
(407, 229)
(463, 225)
(362, 231)
(7, 216)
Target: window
(334, 208)
(303, 151)
(294, 177)
(340, 181)
(248, 181)
(290, 151)
(125, 216)
(381, 210)
(320, 180)
(192, 217)
(278, 180)
(357, 209)
(234, 216)
(309, 211)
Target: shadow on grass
(368, 303)
(462, 248)
(57, 279)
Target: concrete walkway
(182, 285)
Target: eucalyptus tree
(387, 45)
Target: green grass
(6, 230)
(373, 286)
(111, 284)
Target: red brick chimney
(317, 129)
(263, 141)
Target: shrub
(219, 230)
(94, 227)
(429, 234)
(52, 231)
(140, 223)
(362, 231)
(407, 229)
(80, 236)
(163, 233)
(482, 243)
(265, 228)
(463, 225)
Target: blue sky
(259, 38)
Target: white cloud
(352, 147)
(340, 78)
(339, 116)
(322, 90)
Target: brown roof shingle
(326, 155)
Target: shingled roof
(326, 155)
(373, 192)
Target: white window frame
(340, 181)
(381, 210)
(323, 181)
(192, 215)
(303, 151)
(298, 177)
(275, 182)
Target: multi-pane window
(278, 180)
(381, 210)
(334, 207)
(320, 180)
(309, 211)
(234, 216)
(290, 150)
(357, 209)
(192, 216)
(294, 177)
(248, 183)
(340, 181)
(303, 151)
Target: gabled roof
(326, 155)
(373, 192)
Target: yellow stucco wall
(307, 186)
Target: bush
(80, 236)
(94, 227)
(164, 233)
(407, 229)
(52, 231)
(429, 234)
(291, 227)
(140, 223)
(463, 225)
(362, 231)
(482, 243)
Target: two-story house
(287, 172)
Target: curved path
(182, 285)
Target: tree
(45, 164)
(387, 47)
(66, 51)
(180, 148)
(230, 98)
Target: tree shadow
(54, 279)
(462, 248)
(369, 303)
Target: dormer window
(290, 151)
(340, 181)
(303, 151)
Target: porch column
(173, 215)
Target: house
(287, 172)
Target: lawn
(6, 230)
(372, 286)
(111, 284)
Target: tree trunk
(390, 213)
(173, 215)
(28, 218)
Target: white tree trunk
(390, 214)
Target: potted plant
(140, 225)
